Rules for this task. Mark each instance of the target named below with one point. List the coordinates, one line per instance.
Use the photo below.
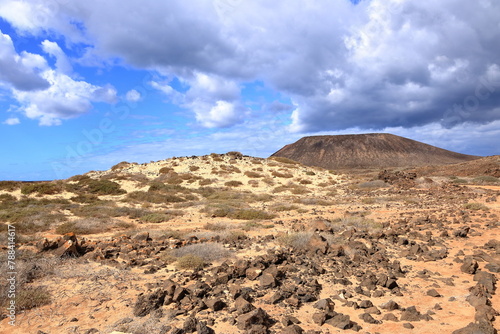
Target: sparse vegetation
(10, 185)
(253, 174)
(476, 206)
(29, 297)
(233, 183)
(42, 188)
(285, 160)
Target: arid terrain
(226, 243)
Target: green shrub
(310, 173)
(42, 188)
(190, 262)
(85, 198)
(486, 179)
(153, 197)
(155, 218)
(104, 187)
(476, 206)
(10, 185)
(249, 214)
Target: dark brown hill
(374, 150)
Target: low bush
(120, 165)
(156, 218)
(209, 251)
(29, 298)
(190, 262)
(282, 175)
(486, 179)
(253, 174)
(285, 160)
(476, 206)
(233, 184)
(42, 188)
(90, 226)
(10, 185)
(376, 184)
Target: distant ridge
(373, 150)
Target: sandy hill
(375, 150)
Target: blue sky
(85, 85)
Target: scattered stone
(255, 317)
(469, 266)
(292, 329)
(411, 314)
(433, 293)
(366, 317)
(147, 303)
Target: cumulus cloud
(22, 71)
(64, 99)
(133, 96)
(12, 121)
(377, 64)
(45, 94)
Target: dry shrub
(233, 184)
(205, 182)
(310, 173)
(215, 226)
(253, 183)
(376, 184)
(209, 251)
(253, 174)
(166, 170)
(297, 240)
(313, 201)
(305, 181)
(194, 168)
(282, 175)
(285, 160)
(91, 226)
(283, 207)
(29, 298)
(120, 165)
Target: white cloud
(63, 64)
(12, 121)
(64, 99)
(22, 71)
(133, 96)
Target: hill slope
(375, 150)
